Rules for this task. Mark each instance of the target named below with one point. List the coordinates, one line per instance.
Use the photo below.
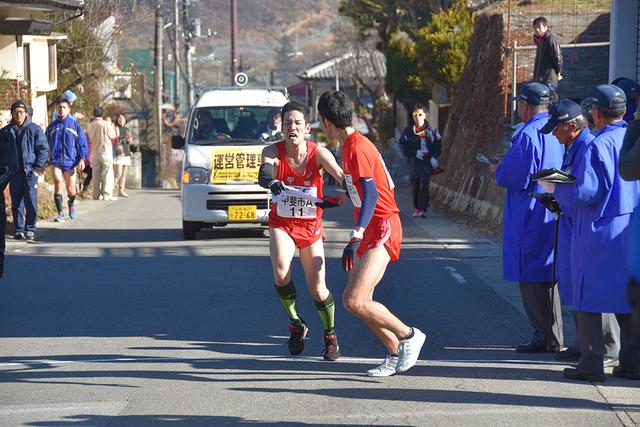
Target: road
(113, 319)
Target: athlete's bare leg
(282, 249)
(358, 298)
(388, 338)
(70, 181)
(312, 259)
(58, 180)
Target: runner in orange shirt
(290, 167)
(375, 240)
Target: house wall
(9, 58)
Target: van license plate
(243, 213)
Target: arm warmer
(369, 200)
(265, 175)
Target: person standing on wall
(548, 62)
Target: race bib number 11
(293, 206)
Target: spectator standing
(548, 62)
(527, 248)
(602, 205)
(629, 168)
(101, 134)
(8, 166)
(631, 90)
(569, 126)
(67, 152)
(32, 154)
(422, 145)
(123, 154)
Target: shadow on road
(173, 420)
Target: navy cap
(628, 86)
(563, 111)
(534, 93)
(585, 106)
(603, 96)
(19, 104)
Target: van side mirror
(177, 142)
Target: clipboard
(553, 175)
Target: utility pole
(187, 23)
(234, 34)
(176, 53)
(157, 79)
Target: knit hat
(19, 104)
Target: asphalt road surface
(113, 319)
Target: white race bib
(293, 206)
(353, 191)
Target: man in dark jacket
(422, 145)
(32, 152)
(548, 63)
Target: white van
(222, 156)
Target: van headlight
(195, 176)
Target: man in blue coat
(602, 205)
(8, 167)
(32, 152)
(527, 235)
(570, 127)
(67, 153)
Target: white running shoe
(409, 350)
(387, 368)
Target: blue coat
(571, 162)
(410, 145)
(602, 205)
(34, 146)
(67, 143)
(527, 230)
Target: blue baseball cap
(563, 111)
(534, 93)
(604, 96)
(628, 86)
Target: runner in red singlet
(296, 222)
(375, 240)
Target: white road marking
(456, 276)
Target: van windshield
(235, 125)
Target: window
(26, 57)
(53, 72)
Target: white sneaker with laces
(387, 368)
(409, 350)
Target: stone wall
(475, 125)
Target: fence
(582, 28)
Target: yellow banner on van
(230, 164)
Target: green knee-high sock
(287, 296)
(326, 310)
